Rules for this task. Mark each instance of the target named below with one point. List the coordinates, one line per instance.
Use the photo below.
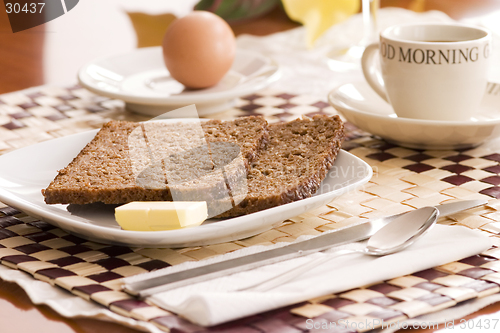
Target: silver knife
(162, 282)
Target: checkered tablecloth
(403, 179)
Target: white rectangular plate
(26, 171)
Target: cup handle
(370, 72)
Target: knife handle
(456, 207)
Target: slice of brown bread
(294, 163)
(108, 169)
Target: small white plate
(361, 106)
(26, 171)
(141, 79)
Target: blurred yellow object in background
(319, 15)
(150, 29)
(417, 6)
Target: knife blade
(158, 282)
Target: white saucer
(361, 106)
(141, 79)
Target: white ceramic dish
(141, 79)
(25, 172)
(361, 106)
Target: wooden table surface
(22, 66)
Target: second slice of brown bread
(294, 163)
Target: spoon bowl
(401, 232)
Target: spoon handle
(294, 272)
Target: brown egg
(199, 49)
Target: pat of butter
(161, 215)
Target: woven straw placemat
(404, 179)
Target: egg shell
(199, 49)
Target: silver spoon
(393, 237)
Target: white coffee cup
(430, 71)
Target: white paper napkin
(215, 301)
